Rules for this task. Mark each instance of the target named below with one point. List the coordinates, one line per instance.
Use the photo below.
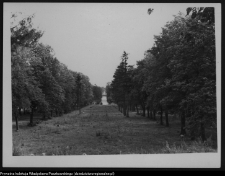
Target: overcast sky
(91, 37)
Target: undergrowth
(197, 146)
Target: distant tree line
(40, 82)
(177, 75)
(97, 91)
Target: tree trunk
(24, 111)
(183, 131)
(127, 114)
(143, 108)
(137, 109)
(44, 117)
(161, 116)
(17, 124)
(79, 110)
(20, 113)
(133, 108)
(148, 110)
(154, 117)
(31, 116)
(62, 111)
(151, 116)
(124, 105)
(167, 119)
(124, 110)
(203, 131)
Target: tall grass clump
(195, 147)
(17, 151)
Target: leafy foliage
(122, 83)
(204, 14)
(39, 81)
(177, 74)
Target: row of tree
(40, 82)
(177, 75)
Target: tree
(66, 79)
(121, 84)
(204, 14)
(186, 49)
(78, 83)
(109, 94)
(20, 83)
(86, 91)
(138, 82)
(23, 33)
(39, 81)
(177, 74)
(23, 38)
(41, 65)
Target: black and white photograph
(112, 85)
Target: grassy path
(98, 130)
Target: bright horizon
(90, 37)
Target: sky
(91, 37)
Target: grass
(195, 147)
(101, 130)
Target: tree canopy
(176, 75)
(40, 82)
